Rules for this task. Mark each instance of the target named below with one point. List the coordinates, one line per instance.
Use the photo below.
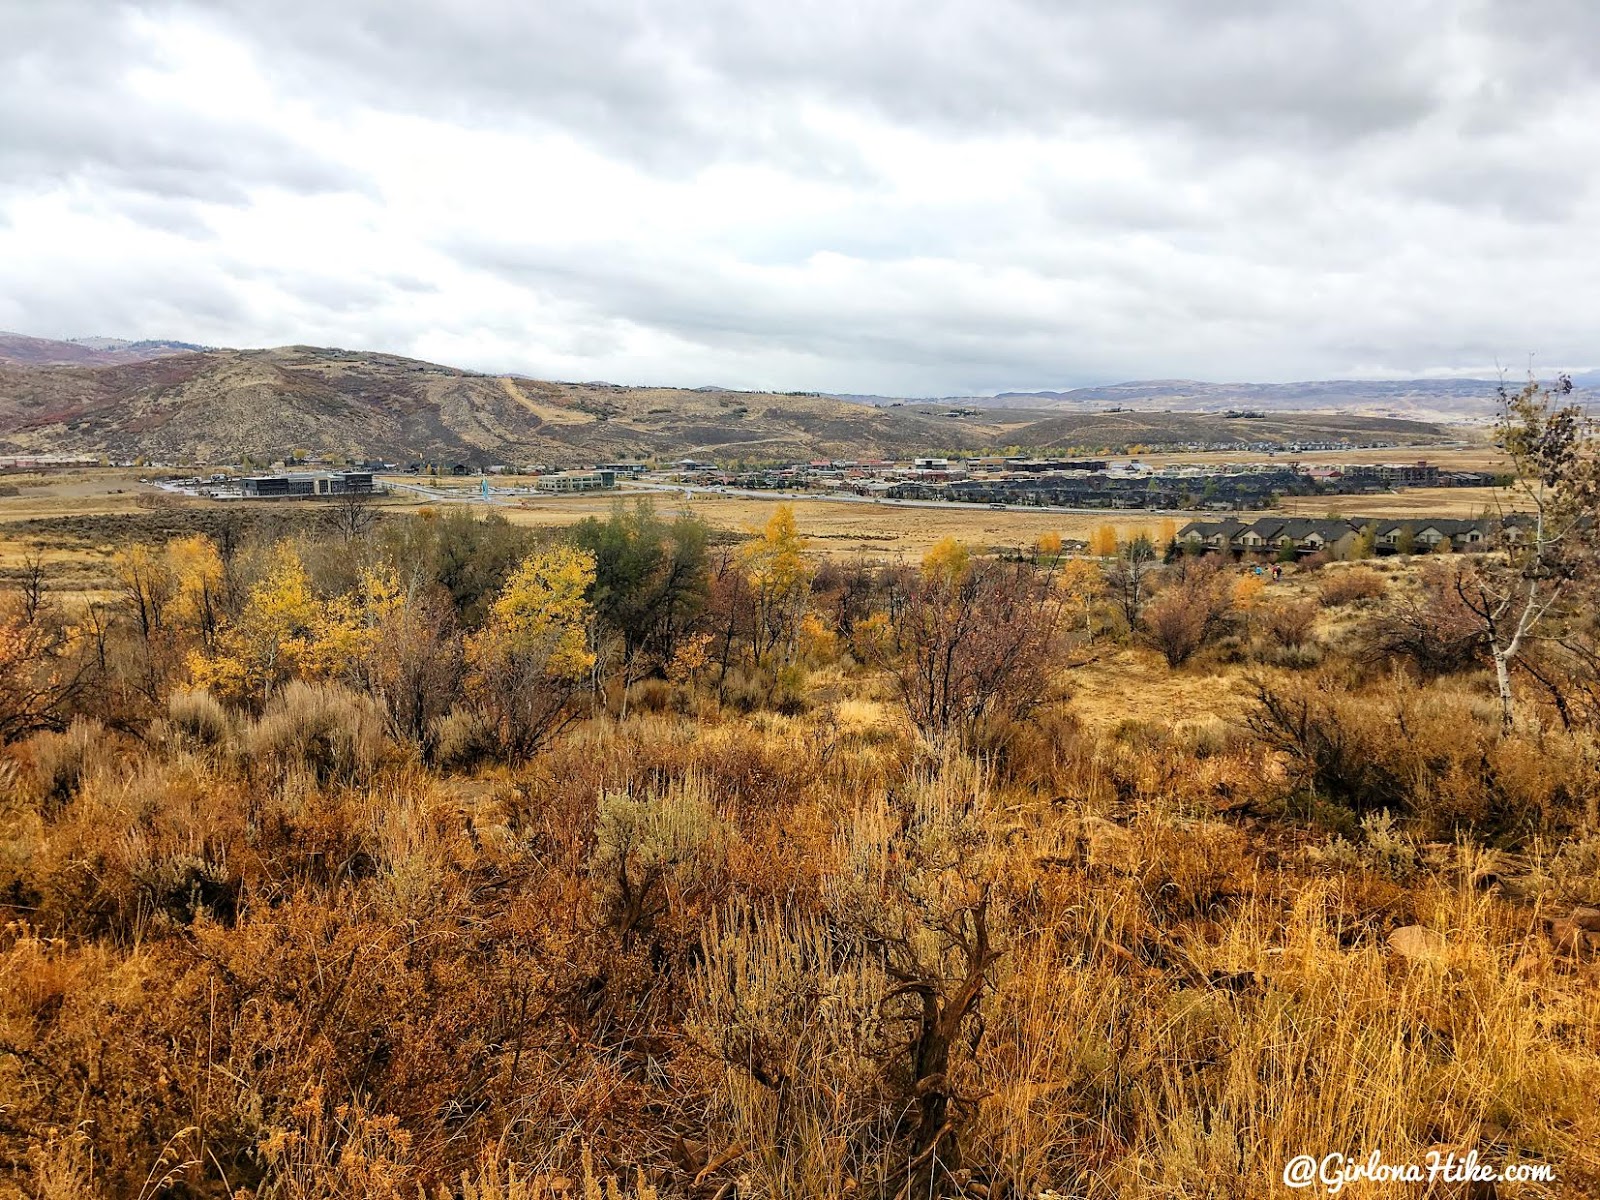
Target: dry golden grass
(273, 950)
(837, 529)
(1412, 503)
(1135, 685)
(1476, 457)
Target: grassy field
(846, 528)
(1473, 457)
(1414, 502)
(298, 949)
(838, 529)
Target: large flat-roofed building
(577, 481)
(306, 483)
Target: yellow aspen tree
(196, 569)
(269, 643)
(346, 628)
(948, 561)
(1048, 548)
(779, 576)
(1103, 542)
(535, 652)
(146, 582)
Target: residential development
(1347, 537)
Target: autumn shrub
(183, 887)
(1350, 585)
(1431, 629)
(199, 718)
(62, 761)
(1438, 757)
(656, 850)
(1194, 868)
(1573, 871)
(972, 639)
(745, 689)
(815, 1107)
(1331, 742)
(659, 696)
(1048, 748)
(325, 730)
(1189, 613)
(414, 669)
(1382, 848)
(461, 739)
(1289, 624)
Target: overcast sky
(918, 197)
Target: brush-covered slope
(18, 349)
(221, 405)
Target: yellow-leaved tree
(780, 584)
(1103, 542)
(198, 576)
(1047, 551)
(273, 639)
(534, 654)
(1083, 586)
(145, 578)
(948, 561)
(346, 629)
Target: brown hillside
(18, 349)
(223, 404)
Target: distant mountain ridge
(19, 349)
(1422, 399)
(1438, 399)
(224, 405)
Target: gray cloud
(918, 195)
(67, 111)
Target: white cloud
(932, 198)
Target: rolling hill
(1419, 399)
(221, 405)
(18, 349)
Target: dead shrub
(1190, 613)
(327, 731)
(1291, 624)
(1351, 585)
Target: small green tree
(1519, 595)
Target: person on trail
(1277, 571)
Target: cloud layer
(860, 195)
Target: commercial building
(306, 483)
(577, 481)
